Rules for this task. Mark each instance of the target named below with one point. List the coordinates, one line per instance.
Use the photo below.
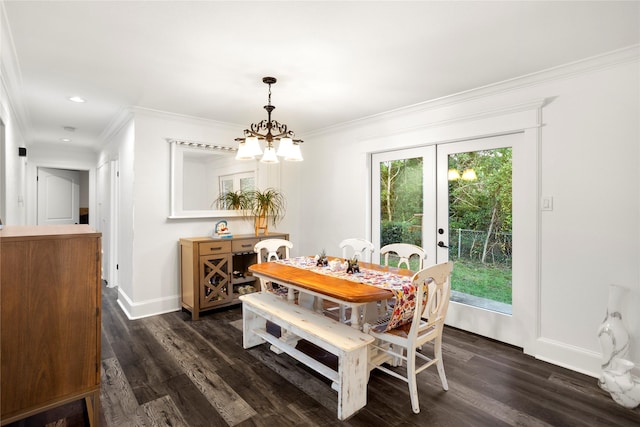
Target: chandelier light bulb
(285, 147)
(453, 175)
(295, 155)
(269, 155)
(469, 175)
(253, 146)
(243, 152)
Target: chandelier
(269, 131)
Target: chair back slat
(404, 251)
(361, 248)
(437, 280)
(271, 246)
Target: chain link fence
(473, 245)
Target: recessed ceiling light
(65, 139)
(76, 99)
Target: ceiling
(335, 61)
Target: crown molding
(183, 117)
(590, 64)
(11, 76)
(123, 117)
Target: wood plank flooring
(170, 371)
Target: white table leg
(354, 375)
(355, 316)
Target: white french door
(455, 200)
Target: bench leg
(250, 322)
(352, 390)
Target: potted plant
(233, 200)
(265, 204)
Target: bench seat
(348, 344)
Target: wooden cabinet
(213, 272)
(50, 299)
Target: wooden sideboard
(207, 266)
(50, 298)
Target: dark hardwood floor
(170, 371)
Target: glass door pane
(401, 203)
(399, 196)
(480, 227)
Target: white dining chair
(404, 253)
(271, 248)
(360, 248)
(266, 251)
(417, 320)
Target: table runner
(401, 286)
(380, 279)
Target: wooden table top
(335, 287)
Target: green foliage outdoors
(480, 217)
(472, 278)
(414, 262)
(491, 282)
(405, 232)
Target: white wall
(117, 227)
(155, 270)
(14, 167)
(41, 155)
(588, 161)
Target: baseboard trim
(568, 356)
(139, 310)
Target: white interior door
(58, 196)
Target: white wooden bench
(349, 344)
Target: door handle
(442, 245)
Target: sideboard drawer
(243, 245)
(215, 247)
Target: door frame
(114, 229)
(503, 327)
(524, 117)
(38, 161)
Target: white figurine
(624, 388)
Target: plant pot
(261, 223)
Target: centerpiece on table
(353, 266)
(322, 260)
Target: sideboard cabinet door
(50, 318)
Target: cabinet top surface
(271, 235)
(22, 231)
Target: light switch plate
(546, 203)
